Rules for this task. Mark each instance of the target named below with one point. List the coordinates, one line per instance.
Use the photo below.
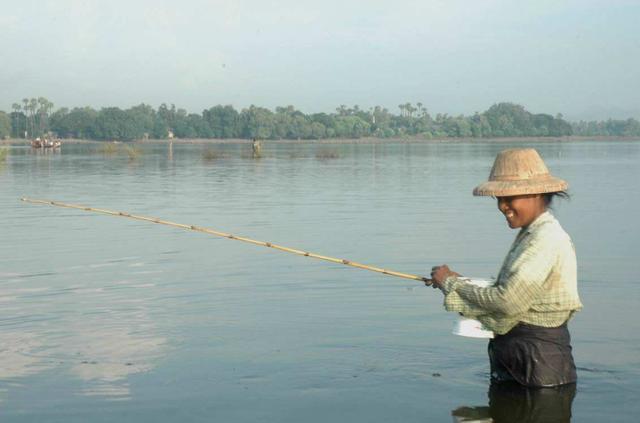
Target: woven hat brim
(520, 187)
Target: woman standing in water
(536, 292)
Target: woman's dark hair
(549, 196)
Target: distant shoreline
(364, 140)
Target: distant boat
(45, 143)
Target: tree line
(35, 117)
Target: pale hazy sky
(580, 58)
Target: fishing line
(231, 236)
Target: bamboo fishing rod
(231, 236)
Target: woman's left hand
(439, 274)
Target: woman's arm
(522, 283)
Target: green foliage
(223, 121)
(4, 152)
(509, 120)
(257, 122)
(113, 123)
(31, 118)
(195, 127)
(145, 116)
(629, 127)
(5, 125)
(285, 122)
(77, 123)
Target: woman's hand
(439, 274)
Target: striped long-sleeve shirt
(537, 283)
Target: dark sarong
(533, 356)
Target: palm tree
(33, 106)
(409, 108)
(44, 108)
(16, 114)
(25, 107)
(42, 104)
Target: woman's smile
(521, 210)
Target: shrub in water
(132, 152)
(325, 154)
(108, 148)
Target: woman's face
(521, 210)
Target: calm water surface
(108, 319)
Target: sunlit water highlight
(104, 318)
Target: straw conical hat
(519, 171)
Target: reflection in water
(16, 355)
(108, 356)
(510, 402)
(98, 331)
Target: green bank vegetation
(34, 117)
